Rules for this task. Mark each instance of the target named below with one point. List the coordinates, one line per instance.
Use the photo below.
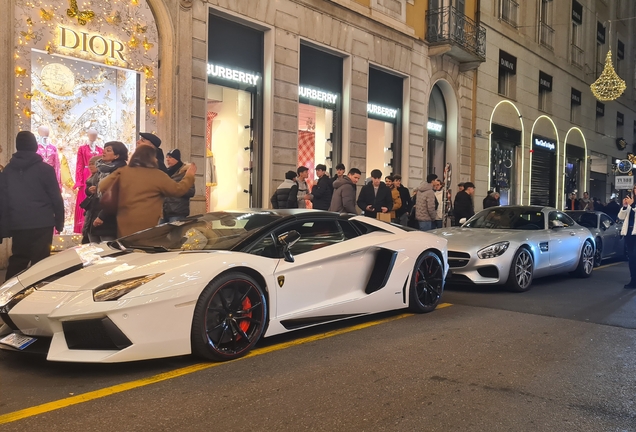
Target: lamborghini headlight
(494, 250)
(118, 289)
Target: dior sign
(94, 44)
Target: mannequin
(48, 151)
(85, 152)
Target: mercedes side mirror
(288, 240)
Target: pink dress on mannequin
(49, 153)
(82, 173)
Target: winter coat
(33, 198)
(625, 214)
(285, 195)
(439, 196)
(425, 209)
(344, 196)
(463, 207)
(4, 225)
(322, 193)
(178, 206)
(397, 201)
(141, 194)
(368, 197)
(108, 228)
(407, 204)
(490, 201)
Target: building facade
(541, 133)
(249, 89)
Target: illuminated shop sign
(381, 111)
(317, 95)
(90, 43)
(232, 74)
(435, 127)
(544, 143)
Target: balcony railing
(577, 56)
(545, 35)
(509, 10)
(448, 25)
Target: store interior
(380, 136)
(315, 128)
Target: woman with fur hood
(176, 208)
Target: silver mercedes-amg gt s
(514, 244)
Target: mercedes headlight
(118, 289)
(494, 250)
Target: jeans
(426, 225)
(439, 223)
(28, 247)
(630, 243)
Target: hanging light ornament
(609, 86)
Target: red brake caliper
(244, 324)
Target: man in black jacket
(33, 204)
(146, 138)
(375, 196)
(322, 191)
(464, 207)
(285, 196)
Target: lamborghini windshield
(211, 231)
(511, 218)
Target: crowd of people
(144, 190)
(386, 199)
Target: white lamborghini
(213, 285)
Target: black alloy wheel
(598, 253)
(229, 318)
(427, 283)
(521, 271)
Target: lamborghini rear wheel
(229, 318)
(427, 283)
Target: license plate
(17, 341)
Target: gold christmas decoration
(82, 16)
(46, 15)
(148, 72)
(29, 35)
(147, 45)
(114, 19)
(29, 21)
(20, 72)
(154, 111)
(609, 86)
(28, 95)
(140, 29)
(133, 42)
(150, 100)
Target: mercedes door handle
(572, 233)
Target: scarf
(105, 168)
(175, 168)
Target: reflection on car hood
(92, 265)
(479, 237)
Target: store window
(620, 125)
(234, 115)
(600, 117)
(545, 92)
(576, 42)
(384, 112)
(574, 169)
(507, 81)
(436, 159)
(503, 156)
(575, 106)
(319, 110)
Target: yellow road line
(608, 265)
(119, 388)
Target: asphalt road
(561, 357)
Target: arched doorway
(543, 162)
(575, 164)
(436, 155)
(506, 153)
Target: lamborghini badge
(281, 281)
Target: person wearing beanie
(149, 139)
(285, 196)
(176, 208)
(32, 205)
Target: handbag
(385, 217)
(86, 202)
(109, 200)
